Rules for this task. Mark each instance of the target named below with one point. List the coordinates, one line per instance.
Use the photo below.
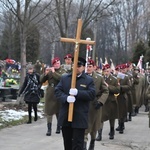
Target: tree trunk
(23, 56)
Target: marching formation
(109, 95)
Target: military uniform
(110, 109)
(130, 96)
(148, 97)
(147, 82)
(52, 106)
(95, 115)
(133, 90)
(67, 68)
(140, 92)
(68, 61)
(122, 101)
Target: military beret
(68, 56)
(128, 64)
(117, 67)
(106, 66)
(122, 66)
(91, 62)
(56, 59)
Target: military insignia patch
(82, 85)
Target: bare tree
(133, 17)
(68, 11)
(26, 13)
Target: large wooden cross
(77, 42)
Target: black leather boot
(49, 125)
(133, 113)
(99, 137)
(118, 128)
(146, 108)
(126, 119)
(112, 133)
(84, 146)
(130, 117)
(30, 118)
(92, 145)
(136, 110)
(58, 130)
(35, 116)
(121, 127)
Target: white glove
(73, 91)
(71, 99)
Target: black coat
(86, 93)
(31, 96)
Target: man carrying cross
(73, 132)
(75, 91)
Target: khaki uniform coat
(122, 98)
(147, 96)
(110, 109)
(52, 105)
(133, 89)
(129, 94)
(140, 90)
(102, 92)
(147, 82)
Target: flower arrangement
(14, 71)
(11, 82)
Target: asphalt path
(33, 136)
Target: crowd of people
(108, 95)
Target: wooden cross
(77, 42)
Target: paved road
(32, 136)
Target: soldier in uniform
(128, 71)
(52, 75)
(139, 90)
(95, 111)
(68, 63)
(148, 98)
(147, 82)
(122, 97)
(110, 109)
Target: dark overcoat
(110, 109)
(52, 105)
(31, 96)
(86, 93)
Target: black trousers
(73, 138)
(30, 105)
